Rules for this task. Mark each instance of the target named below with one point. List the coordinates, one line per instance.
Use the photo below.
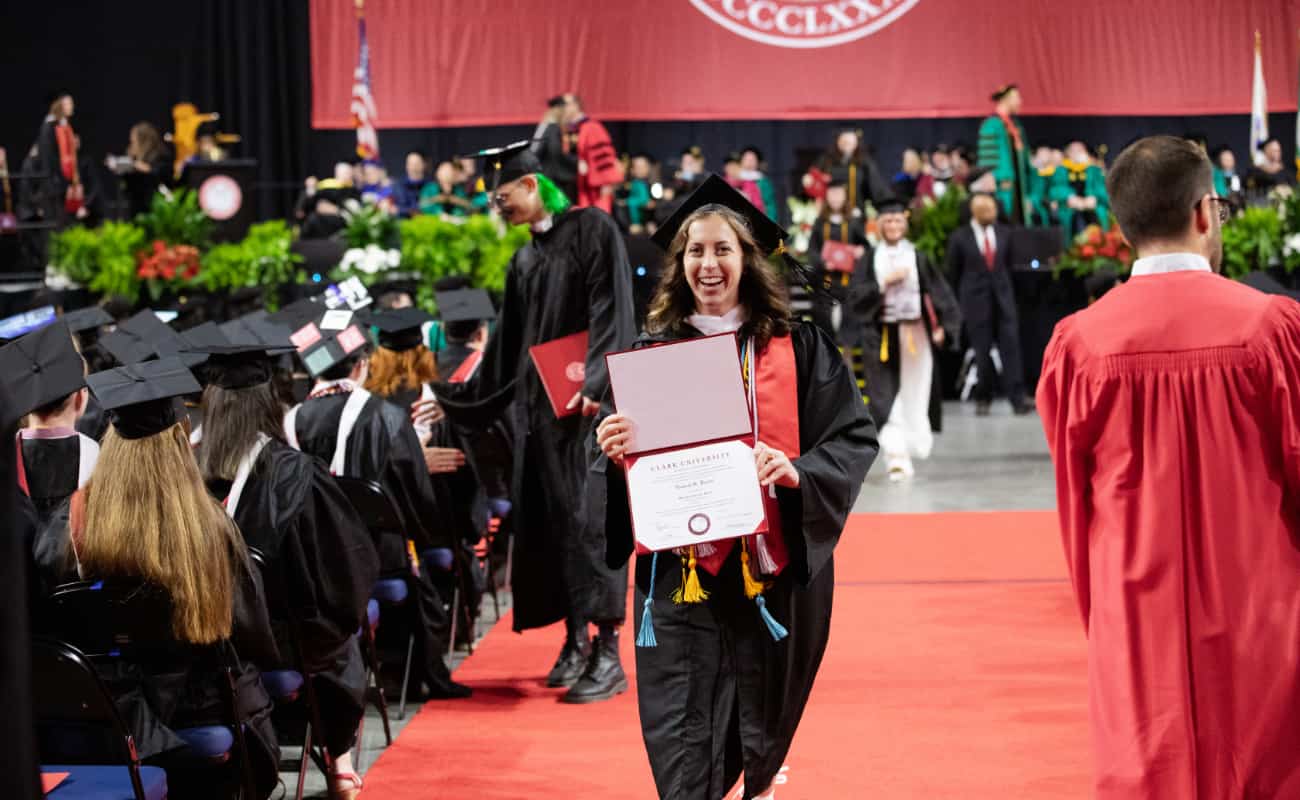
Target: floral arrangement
(166, 266)
(1252, 240)
(370, 261)
(263, 258)
(176, 218)
(366, 224)
(1095, 250)
(803, 213)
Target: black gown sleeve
(251, 630)
(479, 401)
(610, 320)
(837, 440)
(816, 240)
(406, 476)
(865, 298)
(941, 296)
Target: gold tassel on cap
(884, 344)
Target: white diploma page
(691, 476)
(698, 494)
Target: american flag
(364, 114)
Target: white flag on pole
(1258, 107)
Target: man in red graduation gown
(598, 168)
(1172, 408)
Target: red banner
(487, 62)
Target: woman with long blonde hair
(731, 633)
(146, 515)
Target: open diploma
(696, 494)
(690, 469)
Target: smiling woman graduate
(731, 634)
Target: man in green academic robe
(1003, 149)
(1079, 191)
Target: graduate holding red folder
(572, 279)
(731, 632)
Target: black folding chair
(80, 731)
(288, 686)
(377, 508)
(130, 623)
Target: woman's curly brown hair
(392, 371)
(762, 292)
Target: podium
(225, 192)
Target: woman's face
(713, 262)
(893, 227)
(847, 142)
(836, 198)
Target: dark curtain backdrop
(130, 62)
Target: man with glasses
(1172, 409)
(572, 277)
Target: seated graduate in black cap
(321, 563)
(146, 514)
(465, 314)
(732, 633)
(909, 313)
(362, 435)
(401, 371)
(572, 277)
(48, 379)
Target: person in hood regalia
(731, 634)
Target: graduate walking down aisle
(732, 634)
(572, 278)
(910, 314)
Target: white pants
(907, 433)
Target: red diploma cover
(839, 256)
(561, 364)
(690, 467)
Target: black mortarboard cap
(769, 236)
(208, 334)
(333, 347)
(891, 205)
(299, 312)
(1002, 91)
(41, 367)
(237, 366)
(144, 336)
(506, 164)
(142, 396)
(84, 319)
(465, 305)
(839, 176)
(401, 328)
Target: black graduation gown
(383, 447)
(321, 567)
(52, 467)
(717, 695)
(882, 379)
(572, 278)
(153, 704)
(836, 284)
(94, 421)
(451, 357)
(18, 758)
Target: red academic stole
(21, 468)
(467, 367)
(1013, 131)
(776, 393)
(67, 141)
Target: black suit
(988, 305)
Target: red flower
(1088, 251)
(1094, 236)
(1109, 250)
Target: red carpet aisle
(956, 669)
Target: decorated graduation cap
(401, 329)
(42, 367)
(508, 163)
(768, 234)
(1002, 91)
(142, 397)
(333, 338)
(87, 319)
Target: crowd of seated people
(204, 478)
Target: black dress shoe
(569, 666)
(603, 678)
(982, 408)
(448, 690)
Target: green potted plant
(479, 248)
(116, 272)
(263, 259)
(175, 218)
(1252, 240)
(934, 221)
